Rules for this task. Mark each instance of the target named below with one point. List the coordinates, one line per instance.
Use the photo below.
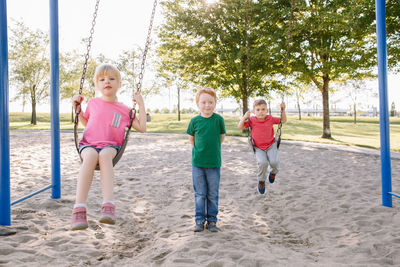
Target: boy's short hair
(206, 90)
(259, 102)
(104, 69)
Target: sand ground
(323, 210)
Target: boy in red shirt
(262, 132)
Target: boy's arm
(284, 118)
(191, 139)
(222, 138)
(245, 117)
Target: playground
(329, 205)
(323, 210)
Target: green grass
(365, 133)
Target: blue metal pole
(54, 97)
(31, 195)
(383, 104)
(5, 217)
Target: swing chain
(289, 37)
(146, 48)
(279, 130)
(85, 65)
(247, 45)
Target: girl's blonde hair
(206, 90)
(106, 69)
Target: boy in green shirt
(206, 133)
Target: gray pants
(267, 158)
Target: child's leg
(200, 193)
(89, 161)
(273, 158)
(262, 164)
(213, 178)
(106, 156)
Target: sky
(120, 25)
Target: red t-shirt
(262, 132)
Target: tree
(393, 110)
(299, 90)
(393, 34)
(29, 65)
(355, 89)
(215, 45)
(165, 111)
(70, 74)
(129, 63)
(71, 71)
(126, 64)
(169, 79)
(332, 39)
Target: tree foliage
(221, 46)
(29, 65)
(393, 33)
(216, 45)
(332, 40)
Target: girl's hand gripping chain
(76, 102)
(138, 99)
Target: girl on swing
(265, 147)
(105, 120)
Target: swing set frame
(5, 198)
(5, 203)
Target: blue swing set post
(5, 205)
(4, 121)
(55, 116)
(383, 105)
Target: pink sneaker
(107, 213)
(79, 221)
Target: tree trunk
(179, 104)
(72, 114)
(33, 101)
(269, 105)
(245, 103)
(355, 113)
(23, 103)
(33, 117)
(298, 108)
(325, 103)
(245, 100)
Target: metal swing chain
(289, 38)
(146, 48)
(88, 47)
(287, 59)
(78, 107)
(247, 45)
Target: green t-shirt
(207, 132)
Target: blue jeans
(206, 192)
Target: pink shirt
(106, 123)
(262, 132)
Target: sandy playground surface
(323, 210)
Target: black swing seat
(132, 114)
(118, 156)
